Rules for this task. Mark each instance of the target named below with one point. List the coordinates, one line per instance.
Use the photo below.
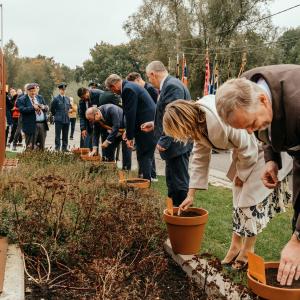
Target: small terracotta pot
(86, 157)
(139, 183)
(81, 150)
(3, 255)
(270, 292)
(186, 233)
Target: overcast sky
(67, 29)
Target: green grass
(10, 154)
(218, 202)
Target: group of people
(255, 116)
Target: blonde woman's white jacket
(247, 157)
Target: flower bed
(83, 236)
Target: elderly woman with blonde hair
(253, 204)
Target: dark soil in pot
(188, 213)
(271, 275)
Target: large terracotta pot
(80, 150)
(3, 254)
(186, 233)
(139, 183)
(269, 292)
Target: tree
(289, 45)
(11, 55)
(107, 59)
(161, 29)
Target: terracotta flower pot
(80, 150)
(270, 292)
(3, 254)
(86, 157)
(139, 183)
(186, 233)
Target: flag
(207, 75)
(184, 77)
(177, 66)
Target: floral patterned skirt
(249, 221)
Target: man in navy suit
(33, 110)
(88, 98)
(174, 153)
(138, 108)
(111, 119)
(60, 108)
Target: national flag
(207, 74)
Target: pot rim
(186, 221)
(269, 265)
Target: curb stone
(217, 286)
(14, 287)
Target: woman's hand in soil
(188, 201)
(289, 267)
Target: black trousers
(18, 133)
(40, 136)
(61, 130)
(72, 123)
(109, 153)
(177, 177)
(296, 192)
(145, 147)
(13, 130)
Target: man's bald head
(93, 114)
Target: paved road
(220, 162)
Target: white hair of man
(112, 80)
(91, 112)
(235, 94)
(156, 66)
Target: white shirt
(263, 84)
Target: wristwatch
(297, 234)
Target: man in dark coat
(138, 108)
(174, 153)
(267, 101)
(137, 78)
(60, 108)
(111, 119)
(34, 119)
(153, 92)
(88, 98)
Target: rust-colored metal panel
(2, 109)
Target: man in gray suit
(174, 153)
(60, 108)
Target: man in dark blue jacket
(88, 98)
(138, 108)
(153, 92)
(111, 119)
(34, 118)
(137, 78)
(174, 153)
(60, 108)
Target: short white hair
(156, 66)
(112, 80)
(237, 93)
(91, 111)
